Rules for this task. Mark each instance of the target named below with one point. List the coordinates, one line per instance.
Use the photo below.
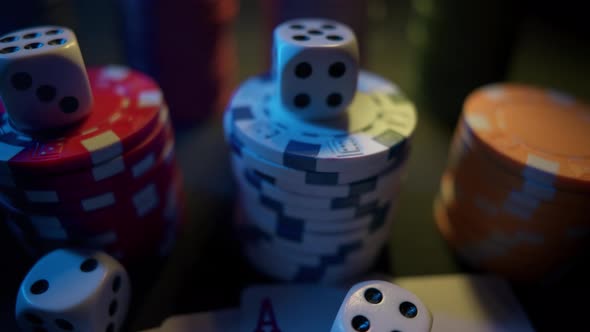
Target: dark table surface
(205, 270)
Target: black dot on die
(360, 323)
(68, 104)
(46, 93)
(300, 37)
(8, 39)
(33, 46)
(53, 32)
(21, 81)
(116, 284)
(31, 35)
(8, 50)
(303, 70)
(110, 328)
(113, 307)
(334, 37)
(301, 100)
(59, 41)
(39, 287)
(315, 32)
(408, 309)
(296, 26)
(89, 265)
(33, 319)
(373, 295)
(334, 100)
(328, 26)
(337, 69)
(64, 324)
(39, 329)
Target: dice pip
(377, 305)
(43, 79)
(74, 290)
(316, 64)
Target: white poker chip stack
(317, 196)
(300, 218)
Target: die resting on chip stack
(86, 156)
(515, 198)
(318, 151)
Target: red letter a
(266, 317)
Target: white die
(381, 306)
(74, 290)
(43, 79)
(316, 64)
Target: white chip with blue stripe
(370, 134)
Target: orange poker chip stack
(515, 198)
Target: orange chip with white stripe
(543, 134)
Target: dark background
(437, 51)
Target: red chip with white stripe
(89, 197)
(125, 110)
(130, 228)
(54, 190)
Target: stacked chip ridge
(317, 198)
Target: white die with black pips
(74, 290)
(43, 79)
(378, 305)
(316, 64)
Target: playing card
(227, 320)
(289, 308)
(474, 303)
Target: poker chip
(92, 198)
(299, 228)
(302, 177)
(55, 191)
(111, 183)
(317, 269)
(316, 198)
(258, 187)
(375, 128)
(514, 121)
(487, 170)
(316, 215)
(133, 163)
(135, 226)
(125, 110)
(282, 262)
(514, 200)
(381, 182)
(506, 253)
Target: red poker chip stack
(111, 183)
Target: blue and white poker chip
(316, 215)
(374, 129)
(312, 269)
(380, 183)
(295, 240)
(317, 198)
(251, 160)
(294, 228)
(256, 186)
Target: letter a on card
(289, 308)
(266, 318)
